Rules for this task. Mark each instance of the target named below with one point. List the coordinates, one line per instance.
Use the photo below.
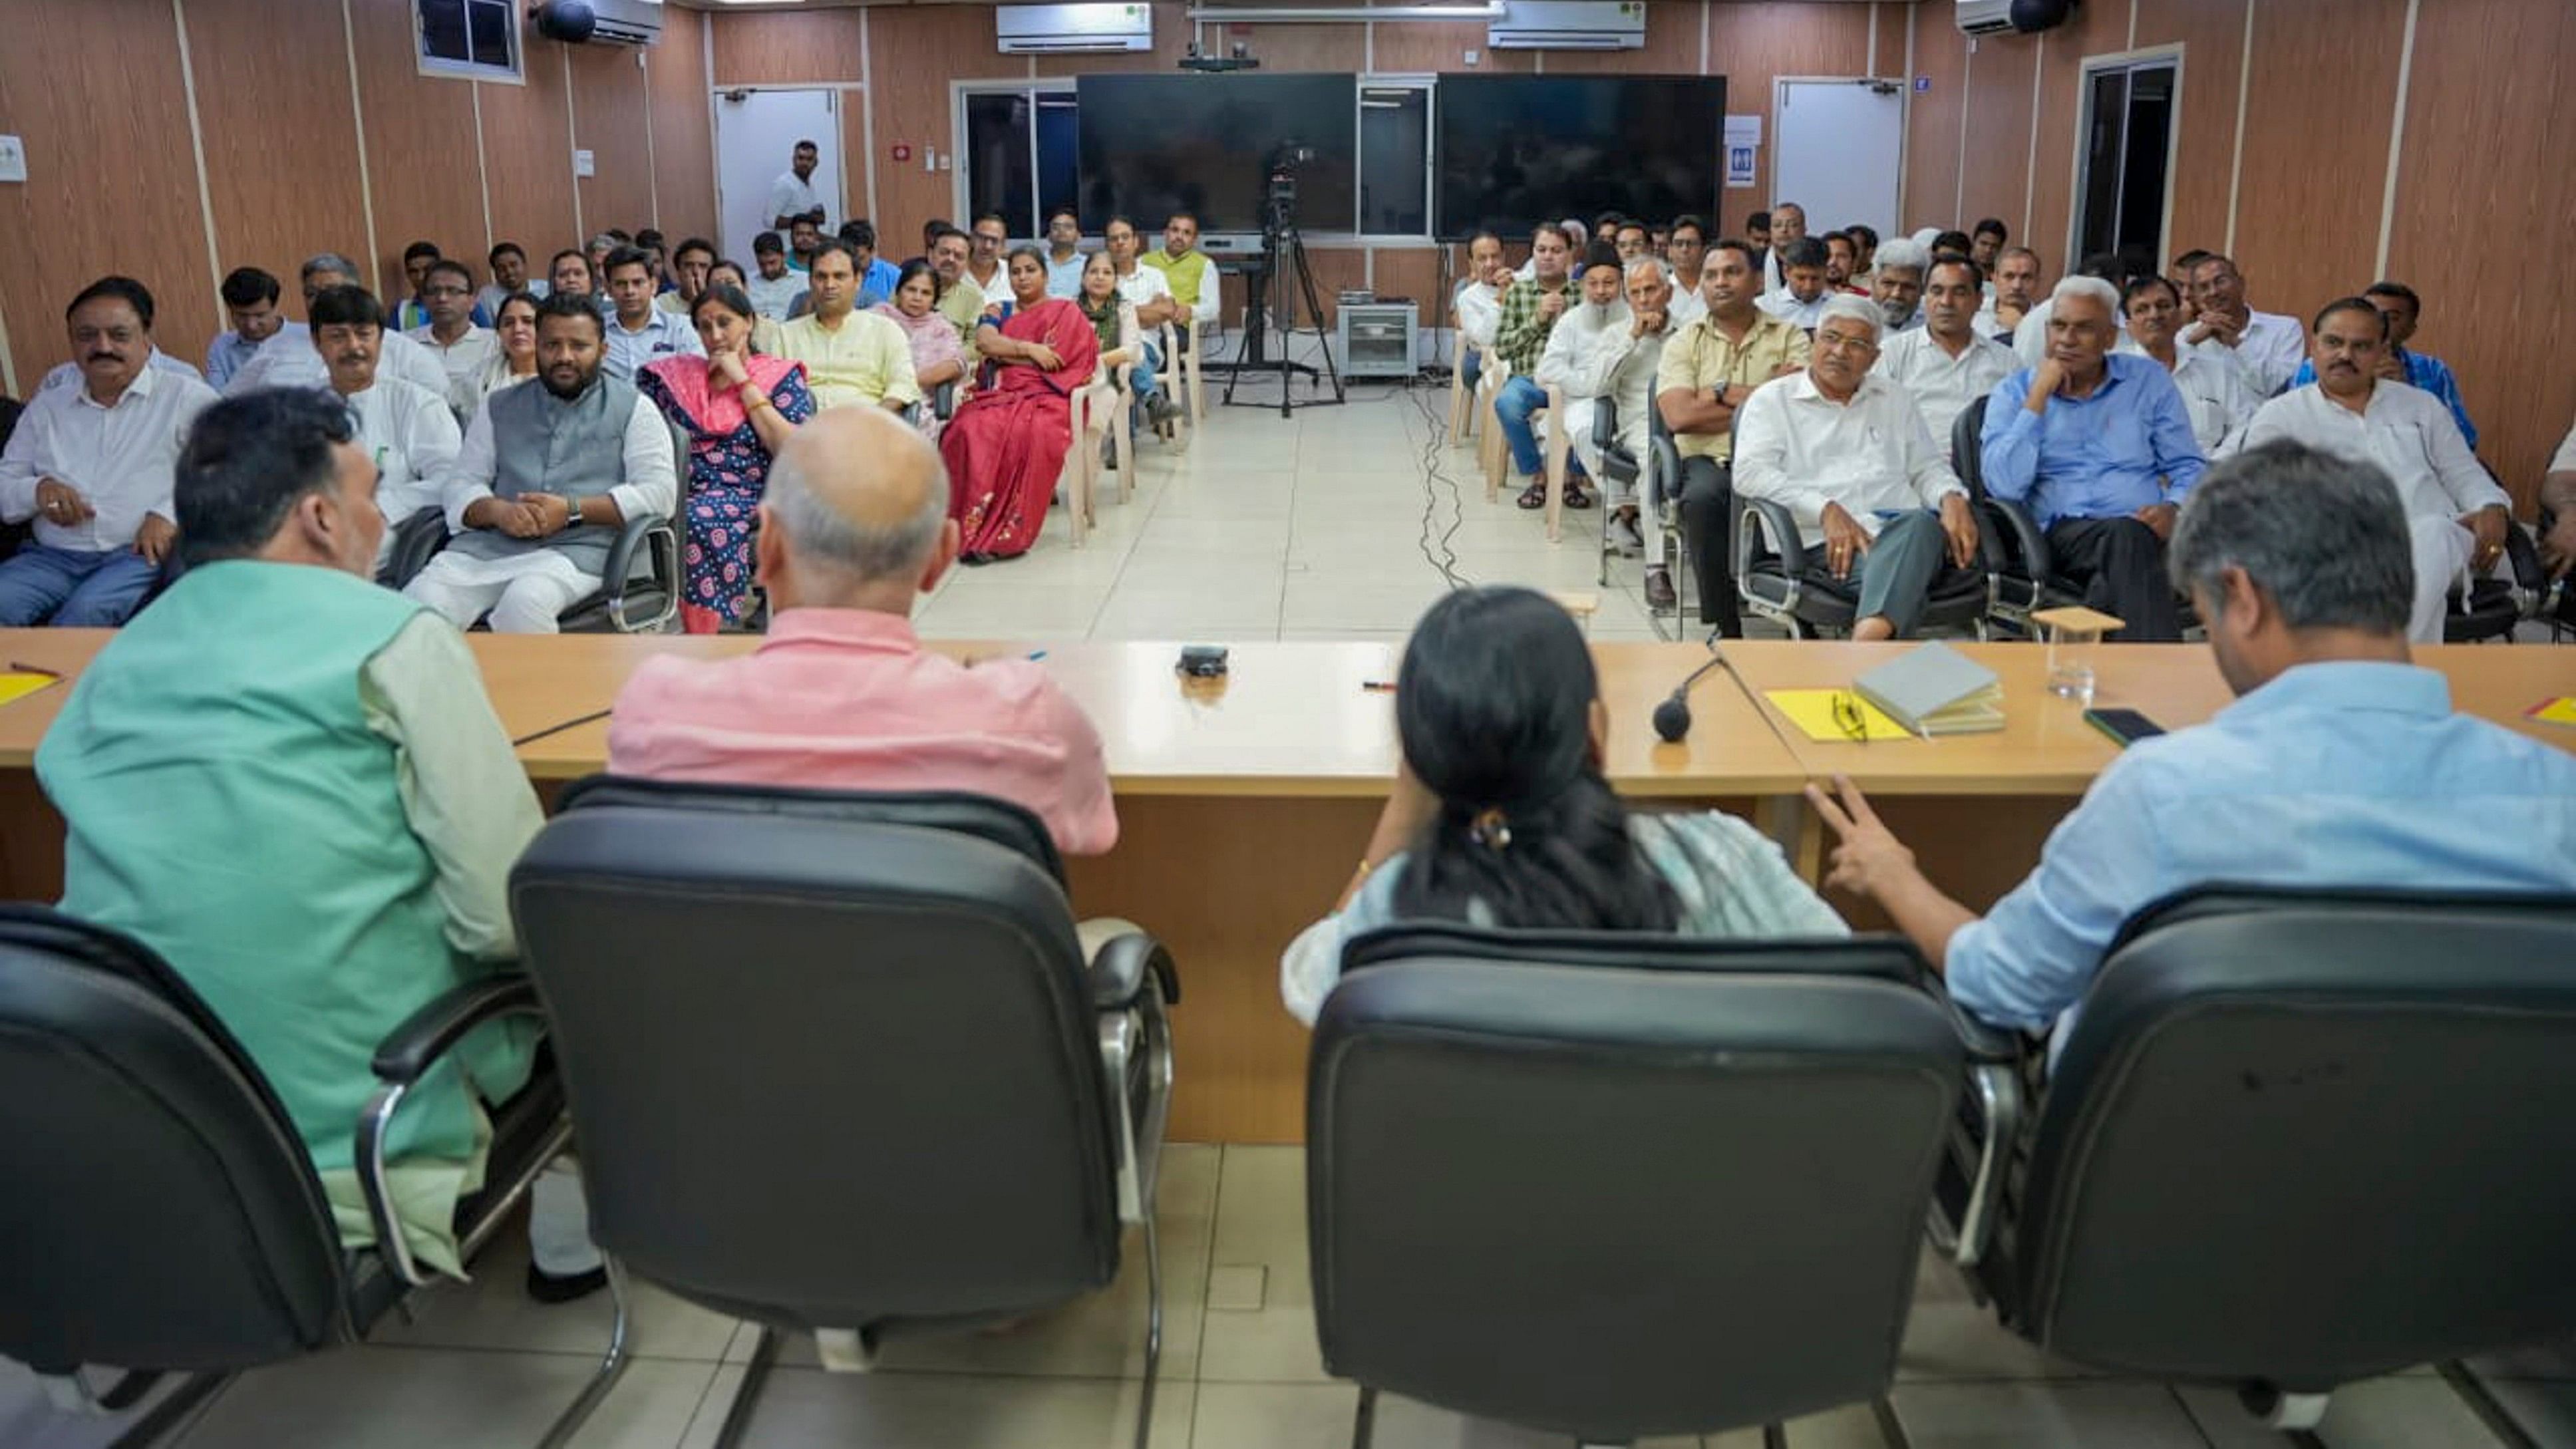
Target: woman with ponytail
(1501, 817)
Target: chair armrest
(1761, 516)
(1996, 1062)
(431, 1032)
(417, 540)
(1605, 425)
(2024, 540)
(1121, 967)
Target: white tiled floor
(484, 1366)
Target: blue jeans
(1519, 398)
(1474, 368)
(73, 589)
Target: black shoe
(1576, 497)
(1534, 496)
(547, 1288)
(1659, 589)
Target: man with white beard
(1607, 348)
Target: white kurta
(413, 440)
(1941, 385)
(2215, 390)
(1592, 354)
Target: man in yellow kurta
(852, 358)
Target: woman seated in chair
(1007, 444)
(938, 358)
(1500, 815)
(1113, 320)
(514, 361)
(764, 331)
(737, 408)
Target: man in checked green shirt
(1529, 312)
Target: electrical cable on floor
(1440, 553)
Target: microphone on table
(1673, 716)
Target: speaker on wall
(2035, 15)
(573, 21)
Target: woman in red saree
(1007, 443)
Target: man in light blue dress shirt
(250, 302)
(2340, 763)
(2098, 445)
(638, 333)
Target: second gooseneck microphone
(1673, 716)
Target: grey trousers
(1896, 574)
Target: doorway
(756, 136)
(2125, 158)
(1838, 150)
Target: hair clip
(1490, 829)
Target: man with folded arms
(1846, 452)
(1187, 272)
(2455, 513)
(2339, 764)
(548, 476)
(841, 695)
(275, 696)
(1709, 369)
(2099, 447)
(90, 462)
(1943, 364)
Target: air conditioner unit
(1073, 29)
(1569, 25)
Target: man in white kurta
(1944, 365)
(407, 432)
(1847, 454)
(2457, 513)
(1610, 350)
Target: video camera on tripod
(1279, 203)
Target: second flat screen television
(1518, 150)
(1156, 144)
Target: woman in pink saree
(1007, 443)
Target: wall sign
(1743, 145)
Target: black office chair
(1614, 1185)
(640, 592)
(1779, 578)
(2296, 1139)
(2493, 608)
(161, 1214)
(837, 1064)
(2021, 572)
(1663, 463)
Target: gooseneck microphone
(1673, 716)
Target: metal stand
(1283, 251)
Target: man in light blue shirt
(2398, 303)
(2099, 447)
(1065, 257)
(640, 334)
(250, 301)
(2340, 763)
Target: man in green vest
(1187, 270)
(290, 784)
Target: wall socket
(13, 159)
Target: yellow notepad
(17, 684)
(2559, 711)
(1813, 710)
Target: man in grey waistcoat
(547, 477)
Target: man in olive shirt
(1710, 367)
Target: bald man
(841, 695)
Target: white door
(756, 136)
(1837, 150)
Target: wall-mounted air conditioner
(1985, 17)
(1569, 25)
(1073, 29)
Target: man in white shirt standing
(92, 465)
(408, 433)
(1478, 304)
(1945, 364)
(2269, 344)
(792, 195)
(2456, 512)
(1607, 348)
(641, 334)
(250, 302)
(1847, 453)
(290, 361)
(462, 348)
(1801, 297)
(772, 288)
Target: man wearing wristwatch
(1709, 368)
(548, 476)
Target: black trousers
(1708, 501)
(2121, 564)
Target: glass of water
(2074, 638)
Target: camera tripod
(1283, 252)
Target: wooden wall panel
(789, 47)
(2316, 148)
(1752, 45)
(1672, 48)
(2096, 30)
(527, 158)
(420, 144)
(1890, 20)
(684, 148)
(1413, 274)
(914, 53)
(1413, 46)
(2487, 84)
(1172, 30)
(1996, 163)
(95, 91)
(2212, 36)
(1932, 122)
(272, 211)
(609, 106)
(855, 161)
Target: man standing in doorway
(792, 195)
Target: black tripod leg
(1315, 304)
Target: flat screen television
(1155, 144)
(1515, 150)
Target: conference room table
(1245, 802)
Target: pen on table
(1378, 686)
(1037, 654)
(17, 668)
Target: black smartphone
(2125, 726)
(1203, 661)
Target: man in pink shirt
(841, 694)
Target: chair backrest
(1613, 1194)
(823, 1072)
(159, 1210)
(1967, 447)
(2307, 1137)
(1011, 826)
